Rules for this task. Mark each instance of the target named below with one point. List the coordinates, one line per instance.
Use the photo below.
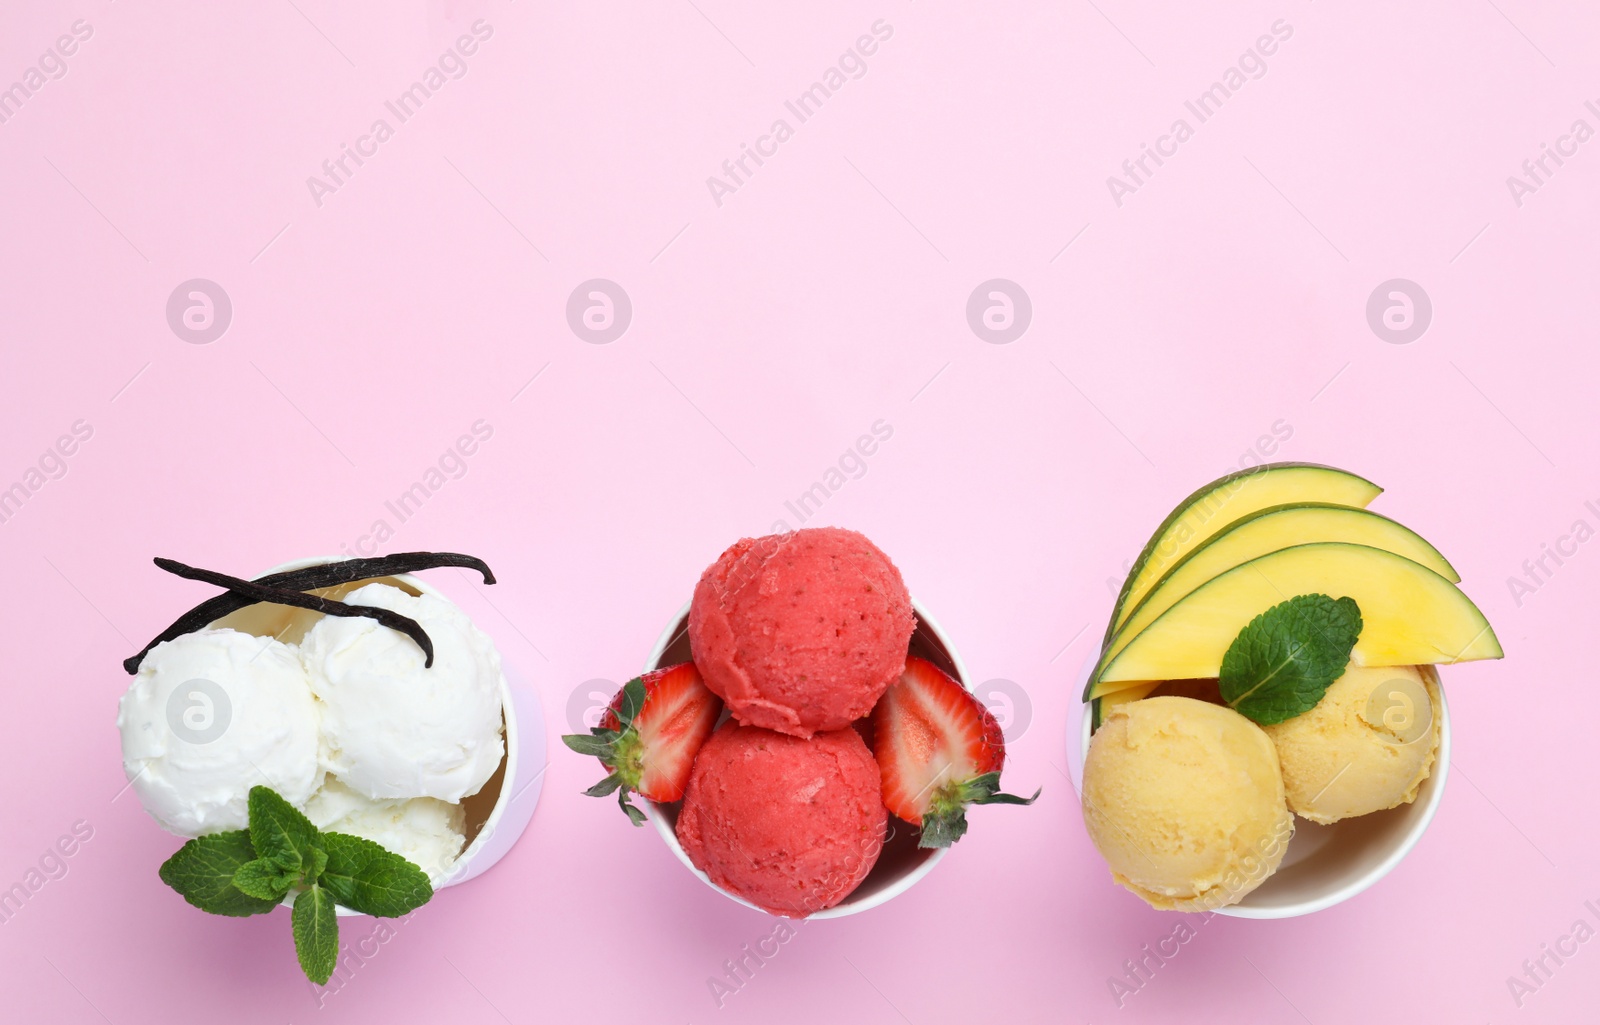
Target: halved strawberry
(649, 736)
(939, 750)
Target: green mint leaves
(279, 832)
(250, 872)
(1282, 663)
(364, 877)
(204, 869)
(316, 933)
(618, 750)
(263, 879)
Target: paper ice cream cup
(1324, 865)
(497, 814)
(902, 864)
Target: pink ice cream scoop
(803, 631)
(790, 825)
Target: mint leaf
(319, 861)
(279, 831)
(316, 934)
(365, 877)
(263, 879)
(203, 869)
(1282, 663)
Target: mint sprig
(250, 872)
(1285, 660)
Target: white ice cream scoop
(210, 715)
(427, 832)
(390, 726)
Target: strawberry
(939, 750)
(649, 736)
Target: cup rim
(845, 909)
(1427, 804)
(456, 872)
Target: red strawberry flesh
(649, 736)
(939, 750)
(679, 713)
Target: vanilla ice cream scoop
(1185, 802)
(427, 832)
(210, 715)
(1366, 746)
(390, 726)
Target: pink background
(1224, 296)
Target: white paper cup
(1324, 865)
(902, 863)
(497, 814)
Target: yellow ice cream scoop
(1366, 746)
(1185, 801)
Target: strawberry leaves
(632, 702)
(649, 736)
(939, 750)
(634, 814)
(945, 821)
(618, 749)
